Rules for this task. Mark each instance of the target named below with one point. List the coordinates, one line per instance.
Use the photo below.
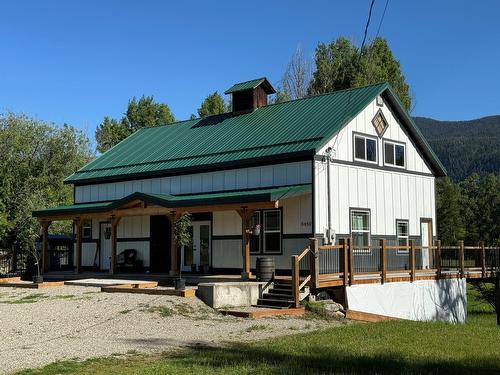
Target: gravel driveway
(38, 327)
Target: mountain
(464, 147)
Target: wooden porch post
(78, 225)
(461, 259)
(174, 260)
(438, 257)
(483, 259)
(345, 260)
(245, 215)
(45, 266)
(114, 235)
(350, 252)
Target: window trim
(394, 143)
(261, 238)
(365, 137)
(88, 227)
(402, 251)
(280, 231)
(367, 211)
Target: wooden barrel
(265, 269)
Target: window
(365, 149)
(380, 123)
(394, 154)
(402, 235)
(272, 231)
(360, 228)
(87, 229)
(255, 240)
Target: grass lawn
(389, 347)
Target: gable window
(380, 123)
(272, 231)
(365, 148)
(87, 229)
(402, 235)
(394, 154)
(360, 228)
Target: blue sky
(75, 62)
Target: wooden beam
(114, 235)
(345, 259)
(295, 280)
(438, 257)
(246, 216)
(45, 266)
(350, 252)
(78, 224)
(483, 259)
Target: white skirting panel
(444, 300)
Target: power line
(382, 19)
(367, 24)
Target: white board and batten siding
(232, 179)
(297, 221)
(389, 194)
(132, 233)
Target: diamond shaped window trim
(380, 123)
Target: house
(350, 163)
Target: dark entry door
(160, 244)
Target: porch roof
(181, 201)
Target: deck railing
(347, 264)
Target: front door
(105, 245)
(426, 233)
(196, 255)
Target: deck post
(245, 215)
(174, 262)
(78, 225)
(45, 266)
(412, 261)
(483, 259)
(114, 226)
(314, 261)
(345, 260)
(383, 260)
(350, 252)
(295, 280)
(497, 296)
(438, 258)
(461, 258)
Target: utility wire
(382, 19)
(367, 24)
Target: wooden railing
(346, 264)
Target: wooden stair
(280, 296)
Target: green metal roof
(248, 85)
(188, 200)
(295, 127)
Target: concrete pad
(106, 282)
(232, 294)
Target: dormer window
(380, 123)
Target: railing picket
(383, 261)
(461, 258)
(483, 259)
(412, 260)
(438, 257)
(314, 261)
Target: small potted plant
(38, 278)
(183, 238)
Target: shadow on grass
(242, 358)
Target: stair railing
(312, 277)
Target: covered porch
(171, 207)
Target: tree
(448, 210)
(212, 105)
(141, 113)
(297, 77)
(342, 65)
(36, 157)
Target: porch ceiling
(150, 204)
